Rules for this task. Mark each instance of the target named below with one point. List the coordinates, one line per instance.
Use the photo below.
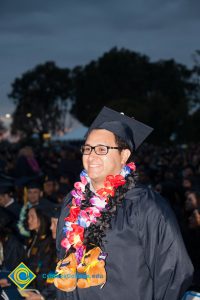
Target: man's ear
(125, 155)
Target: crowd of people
(35, 180)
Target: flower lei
(22, 217)
(79, 219)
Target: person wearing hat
(11, 248)
(33, 195)
(141, 252)
(50, 188)
(7, 200)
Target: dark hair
(123, 145)
(44, 221)
(119, 141)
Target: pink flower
(93, 213)
(65, 244)
(83, 180)
(93, 210)
(84, 218)
(79, 186)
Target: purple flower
(78, 196)
(79, 254)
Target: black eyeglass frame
(93, 148)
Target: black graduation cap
(49, 177)
(49, 209)
(128, 129)
(29, 182)
(33, 184)
(6, 184)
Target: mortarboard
(26, 181)
(48, 208)
(33, 184)
(49, 177)
(6, 184)
(128, 129)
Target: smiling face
(100, 166)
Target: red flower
(73, 215)
(132, 166)
(105, 192)
(76, 236)
(116, 180)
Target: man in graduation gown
(146, 257)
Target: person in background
(49, 291)
(40, 253)
(192, 236)
(27, 165)
(33, 195)
(7, 199)
(50, 187)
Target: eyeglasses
(99, 149)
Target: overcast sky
(75, 32)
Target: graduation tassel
(25, 198)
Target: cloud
(75, 32)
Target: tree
(169, 99)
(195, 104)
(2, 128)
(156, 93)
(115, 76)
(41, 97)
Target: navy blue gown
(146, 258)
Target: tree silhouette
(160, 94)
(157, 93)
(195, 104)
(41, 97)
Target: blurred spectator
(49, 290)
(50, 187)
(33, 195)
(192, 236)
(40, 252)
(8, 203)
(11, 249)
(173, 170)
(26, 164)
(192, 201)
